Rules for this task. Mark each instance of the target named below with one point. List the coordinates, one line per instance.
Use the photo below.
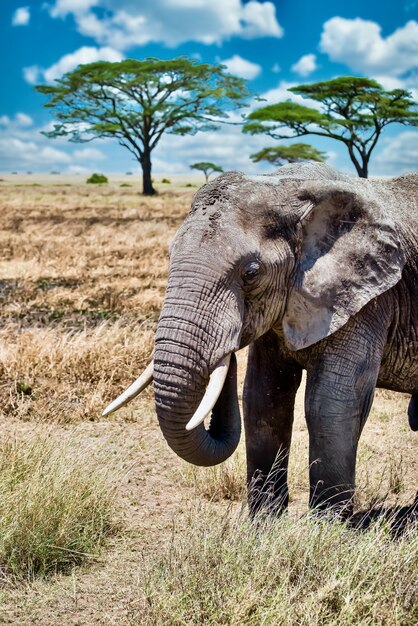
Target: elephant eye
(251, 271)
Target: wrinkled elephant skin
(313, 270)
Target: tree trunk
(362, 168)
(364, 171)
(147, 188)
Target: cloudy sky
(274, 45)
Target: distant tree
(354, 111)
(277, 155)
(136, 102)
(207, 168)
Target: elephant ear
(349, 254)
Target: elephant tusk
(132, 391)
(212, 393)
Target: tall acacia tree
(136, 102)
(353, 111)
(295, 153)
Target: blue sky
(274, 45)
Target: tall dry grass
(63, 376)
(82, 277)
(219, 569)
(57, 504)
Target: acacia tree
(136, 102)
(207, 168)
(296, 152)
(353, 111)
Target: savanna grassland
(100, 523)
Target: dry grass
(82, 277)
(221, 482)
(57, 504)
(70, 259)
(221, 570)
(58, 375)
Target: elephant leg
(413, 412)
(270, 387)
(339, 394)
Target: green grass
(219, 569)
(57, 504)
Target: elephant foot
(266, 496)
(332, 502)
(413, 413)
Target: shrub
(125, 185)
(166, 181)
(97, 179)
(57, 501)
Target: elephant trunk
(181, 375)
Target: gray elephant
(313, 270)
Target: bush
(97, 179)
(166, 181)
(57, 501)
(125, 185)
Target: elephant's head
(257, 253)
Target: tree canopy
(136, 102)
(207, 168)
(277, 155)
(352, 110)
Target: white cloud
(242, 67)
(89, 154)
(276, 68)
(129, 23)
(21, 17)
(23, 120)
(306, 65)
(78, 169)
(228, 147)
(392, 82)
(281, 93)
(61, 8)
(85, 54)
(17, 153)
(359, 44)
(23, 147)
(32, 74)
(20, 120)
(399, 154)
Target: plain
(82, 278)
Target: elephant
(313, 270)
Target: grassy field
(100, 523)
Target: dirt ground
(82, 277)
